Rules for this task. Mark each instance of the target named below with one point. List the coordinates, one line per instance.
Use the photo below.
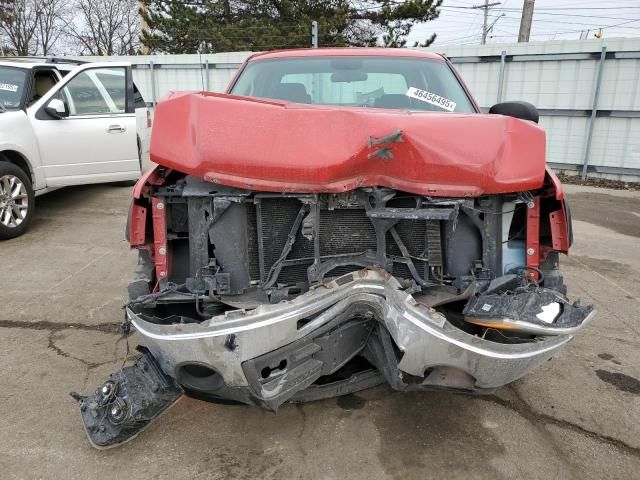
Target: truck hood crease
(280, 146)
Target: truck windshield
(378, 82)
(12, 84)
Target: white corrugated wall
(567, 84)
(547, 74)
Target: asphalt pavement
(62, 287)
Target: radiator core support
(281, 242)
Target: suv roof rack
(45, 59)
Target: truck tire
(17, 201)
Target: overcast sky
(552, 19)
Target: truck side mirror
(521, 110)
(57, 108)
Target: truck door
(94, 140)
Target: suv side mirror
(57, 108)
(521, 110)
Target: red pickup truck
(339, 218)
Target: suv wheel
(17, 201)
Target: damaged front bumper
(274, 351)
(289, 351)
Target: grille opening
(197, 376)
(267, 371)
(252, 242)
(343, 270)
(343, 230)
(198, 371)
(356, 365)
(302, 322)
(346, 231)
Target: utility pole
(485, 27)
(314, 34)
(484, 23)
(525, 22)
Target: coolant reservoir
(513, 255)
(513, 251)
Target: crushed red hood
(278, 146)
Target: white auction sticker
(8, 87)
(431, 98)
(549, 312)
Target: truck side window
(96, 91)
(43, 81)
(113, 80)
(138, 100)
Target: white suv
(65, 123)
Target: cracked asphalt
(62, 286)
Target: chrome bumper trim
(423, 334)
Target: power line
(548, 23)
(590, 8)
(543, 21)
(565, 14)
(598, 24)
(552, 8)
(569, 31)
(535, 13)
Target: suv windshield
(380, 82)
(12, 83)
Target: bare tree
(19, 24)
(4, 17)
(52, 17)
(4, 10)
(30, 27)
(106, 27)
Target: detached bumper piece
(127, 403)
(536, 312)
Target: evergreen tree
(208, 26)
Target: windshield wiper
(2, 108)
